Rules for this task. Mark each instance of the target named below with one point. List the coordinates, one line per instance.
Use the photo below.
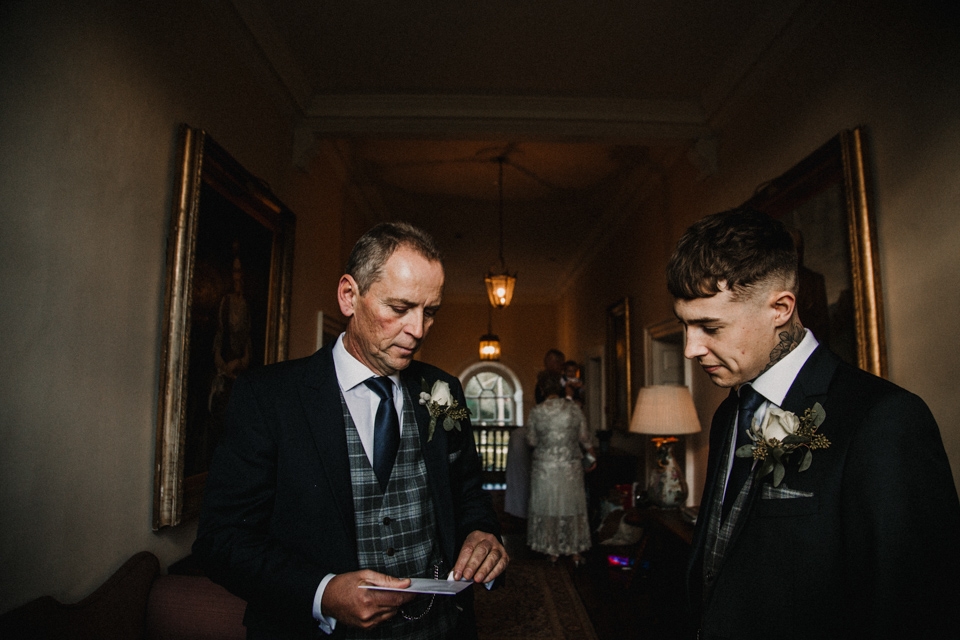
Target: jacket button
(391, 551)
(387, 521)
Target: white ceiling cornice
(464, 115)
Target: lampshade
(500, 289)
(489, 347)
(665, 410)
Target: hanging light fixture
(500, 285)
(489, 342)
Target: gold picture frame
(619, 384)
(227, 309)
(823, 199)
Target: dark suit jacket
(871, 552)
(278, 515)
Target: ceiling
(586, 103)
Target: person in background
(571, 381)
(330, 479)
(829, 509)
(552, 363)
(516, 497)
(557, 522)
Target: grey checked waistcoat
(397, 531)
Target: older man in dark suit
(353, 468)
(842, 524)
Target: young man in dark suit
(854, 533)
(331, 477)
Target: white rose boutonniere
(780, 434)
(440, 404)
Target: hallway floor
(619, 602)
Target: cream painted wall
(891, 67)
(320, 197)
(92, 96)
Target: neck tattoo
(789, 340)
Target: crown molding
(472, 115)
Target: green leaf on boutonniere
(778, 472)
(744, 451)
(807, 460)
(818, 415)
(766, 467)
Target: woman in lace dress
(557, 522)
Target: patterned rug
(538, 601)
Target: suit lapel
(720, 429)
(320, 395)
(737, 517)
(810, 386)
(813, 381)
(435, 459)
(411, 381)
(726, 417)
(432, 452)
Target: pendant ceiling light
(489, 342)
(500, 285)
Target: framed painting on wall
(227, 308)
(618, 385)
(823, 200)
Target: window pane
(474, 407)
(488, 409)
(487, 379)
(490, 398)
(472, 388)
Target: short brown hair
(737, 248)
(375, 247)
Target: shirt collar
(774, 383)
(350, 371)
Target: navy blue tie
(386, 430)
(749, 402)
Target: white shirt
(362, 402)
(361, 399)
(774, 383)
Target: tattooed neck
(789, 340)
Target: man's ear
(347, 294)
(784, 304)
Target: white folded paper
(427, 585)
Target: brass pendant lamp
(490, 342)
(500, 285)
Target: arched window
(495, 400)
(494, 395)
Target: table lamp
(666, 411)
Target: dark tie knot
(750, 400)
(382, 386)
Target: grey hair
(374, 248)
